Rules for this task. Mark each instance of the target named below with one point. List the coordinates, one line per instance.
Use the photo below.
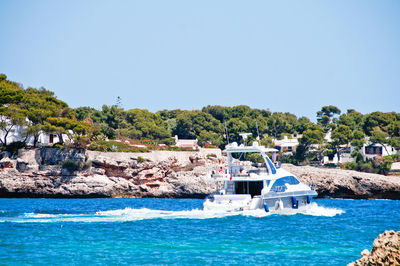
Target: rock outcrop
(385, 251)
(45, 173)
(340, 183)
(41, 173)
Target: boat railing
(239, 171)
(246, 170)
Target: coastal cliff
(351, 184)
(385, 251)
(48, 173)
(78, 173)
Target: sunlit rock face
(43, 173)
(78, 173)
(385, 251)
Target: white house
(286, 144)
(345, 156)
(186, 143)
(370, 151)
(17, 134)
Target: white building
(186, 143)
(17, 134)
(345, 156)
(286, 144)
(370, 151)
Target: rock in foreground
(385, 251)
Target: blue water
(176, 231)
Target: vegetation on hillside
(40, 111)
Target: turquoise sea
(177, 231)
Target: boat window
(249, 187)
(279, 184)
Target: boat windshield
(280, 183)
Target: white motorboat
(250, 186)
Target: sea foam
(129, 214)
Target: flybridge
(268, 164)
(234, 147)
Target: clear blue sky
(293, 56)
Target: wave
(129, 214)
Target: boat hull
(270, 202)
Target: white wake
(129, 214)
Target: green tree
(139, 123)
(40, 104)
(358, 139)
(327, 115)
(279, 123)
(378, 119)
(189, 124)
(352, 119)
(309, 138)
(342, 135)
(303, 123)
(235, 127)
(210, 137)
(10, 117)
(72, 128)
(220, 113)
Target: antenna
(227, 134)
(258, 132)
(119, 102)
(244, 136)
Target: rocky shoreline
(162, 174)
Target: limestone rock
(52, 156)
(7, 163)
(109, 175)
(161, 174)
(385, 251)
(197, 160)
(22, 165)
(340, 183)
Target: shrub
(114, 146)
(287, 158)
(367, 167)
(71, 165)
(87, 165)
(395, 157)
(141, 159)
(13, 147)
(175, 148)
(350, 165)
(331, 165)
(58, 146)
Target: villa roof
(255, 148)
(187, 141)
